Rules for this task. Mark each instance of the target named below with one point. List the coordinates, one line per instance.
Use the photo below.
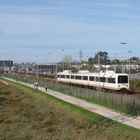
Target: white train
(104, 79)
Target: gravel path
(130, 121)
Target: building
(4, 63)
(46, 68)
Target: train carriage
(104, 79)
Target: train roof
(87, 73)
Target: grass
(26, 113)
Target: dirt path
(130, 121)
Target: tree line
(103, 58)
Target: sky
(46, 30)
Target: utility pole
(99, 66)
(26, 68)
(129, 63)
(81, 55)
(37, 70)
(123, 43)
(62, 63)
(56, 69)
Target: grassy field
(26, 113)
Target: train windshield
(122, 79)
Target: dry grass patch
(24, 115)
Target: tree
(102, 57)
(115, 62)
(90, 61)
(134, 59)
(66, 62)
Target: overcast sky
(46, 30)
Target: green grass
(31, 114)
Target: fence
(129, 104)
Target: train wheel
(124, 91)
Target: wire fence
(129, 104)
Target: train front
(123, 82)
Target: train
(108, 80)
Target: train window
(72, 76)
(122, 79)
(58, 76)
(85, 77)
(97, 79)
(67, 76)
(91, 78)
(102, 79)
(78, 77)
(111, 80)
(62, 76)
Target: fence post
(112, 99)
(121, 102)
(89, 94)
(105, 97)
(134, 105)
(99, 97)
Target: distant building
(4, 63)
(46, 68)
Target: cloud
(87, 11)
(33, 27)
